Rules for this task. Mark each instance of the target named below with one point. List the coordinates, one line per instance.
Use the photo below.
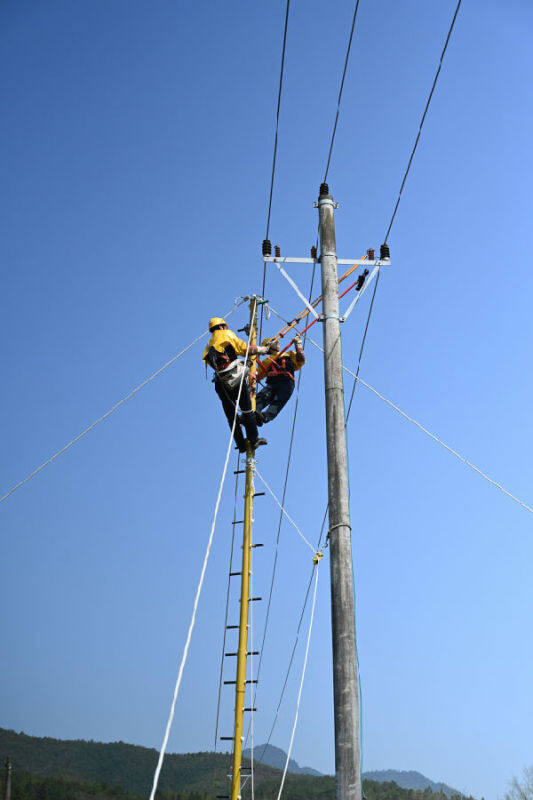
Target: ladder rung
(252, 599)
(235, 573)
(230, 681)
(234, 682)
(227, 738)
(254, 681)
(239, 471)
(222, 796)
(249, 653)
(230, 627)
(237, 522)
(257, 545)
(259, 494)
(249, 709)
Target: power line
(275, 153)
(198, 590)
(433, 436)
(227, 601)
(422, 120)
(280, 521)
(356, 376)
(110, 411)
(340, 89)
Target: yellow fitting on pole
(240, 687)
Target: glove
(262, 350)
(297, 341)
(274, 348)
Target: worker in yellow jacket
(221, 353)
(279, 372)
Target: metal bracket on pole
(296, 289)
(385, 262)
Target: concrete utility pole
(345, 679)
(7, 795)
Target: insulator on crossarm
(384, 252)
(324, 190)
(370, 254)
(314, 253)
(277, 251)
(361, 281)
(267, 247)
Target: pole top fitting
(324, 190)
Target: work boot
(259, 442)
(241, 448)
(259, 418)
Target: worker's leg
(228, 404)
(262, 400)
(248, 416)
(282, 391)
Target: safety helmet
(215, 321)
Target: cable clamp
(338, 525)
(318, 555)
(324, 317)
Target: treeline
(25, 786)
(53, 769)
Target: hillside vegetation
(54, 769)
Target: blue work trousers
(271, 399)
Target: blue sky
(136, 155)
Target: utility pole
(345, 678)
(7, 795)
(242, 652)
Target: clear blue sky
(136, 153)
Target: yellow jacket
(277, 365)
(223, 338)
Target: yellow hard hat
(214, 321)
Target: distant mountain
(276, 757)
(409, 780)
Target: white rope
(302, 297)
(433, 436)
(360, 293)
(197, 597)
(108, 413)
(301, 687)
(308, 543)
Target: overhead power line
(361, 350)
(275, 153)
(348, 49)
(433, 436)
(198, 591)
(280, 520)
(280, 88)
(110, 411)
(413, 151)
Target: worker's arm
(241, 347)
(300, 355)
